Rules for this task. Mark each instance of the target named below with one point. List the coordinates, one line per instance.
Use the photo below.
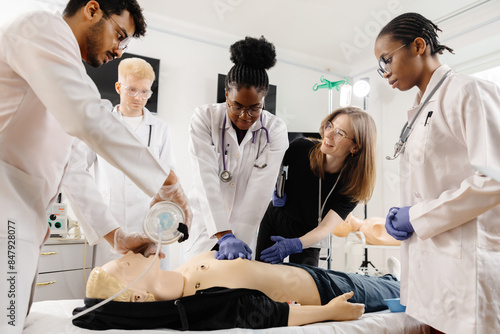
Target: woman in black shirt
(326, 179)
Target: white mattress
(53, 316)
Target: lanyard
(321, 206)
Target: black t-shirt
(302, 187)
(210, 309)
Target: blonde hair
(102, 285)
(136, 67)
(359, 172)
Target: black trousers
(277, 222)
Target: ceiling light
(361, 87)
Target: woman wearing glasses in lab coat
(449, 214)
(236, 149)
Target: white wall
(188, 78)
(492, 74)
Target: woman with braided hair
(236, 149)
(449, 215)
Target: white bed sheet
(53, 317)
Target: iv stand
(365, 263)
(330, 85)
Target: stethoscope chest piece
(225, 176)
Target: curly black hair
(251, 58)
(406, 27)
(113, 7)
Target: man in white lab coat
(47, 99)
(127, 202)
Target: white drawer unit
(61, 269)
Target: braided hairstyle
(406, 27)
(251, 58)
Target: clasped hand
(231, 248)
(397, 223)
(174, 193)
(281, 249)
(134, 241)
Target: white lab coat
(127, 202)
(240, 204)
(46, 98)
(450, 264)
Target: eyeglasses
(338, 134)
(238, 110)
(384, 62)
(131, 91)
(122, 40)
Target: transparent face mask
(162, 222)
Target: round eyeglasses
(123, 37)
(132, 91)
(338, 134)
(383, 62)
(238, 110)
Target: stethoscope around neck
(226, 175)
(407, 129)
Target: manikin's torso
(280, 283)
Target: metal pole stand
(330, 85)
(364, 265)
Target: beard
(94, 44)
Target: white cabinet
(61, 269)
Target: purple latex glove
(278, 202)
(231, 248)
(281, 249)
(397, 223)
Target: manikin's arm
(338, 309)
(327, 225)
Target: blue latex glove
(281, 249)
(397, 223)
(278, 202)
(231, 248)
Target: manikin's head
(115, 275)
(135, 78)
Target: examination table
(54, 316)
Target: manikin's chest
(209, 272)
